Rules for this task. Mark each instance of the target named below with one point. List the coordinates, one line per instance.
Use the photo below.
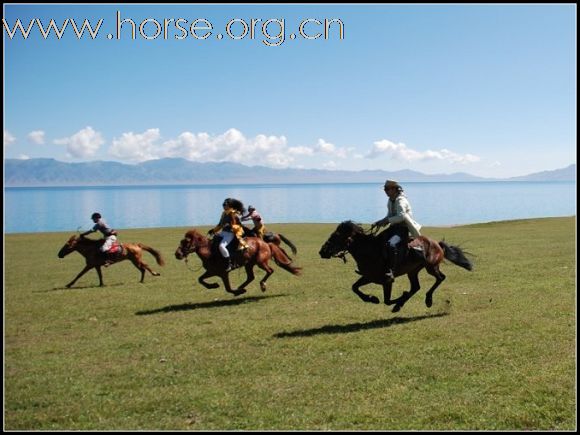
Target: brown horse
(89, 249)
(366, 249)
(270, 237)
(258, 253)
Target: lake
(47, 209)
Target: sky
(485, 89)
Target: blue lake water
(434, 204)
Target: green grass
(497, 351)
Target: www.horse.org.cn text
(271, 32)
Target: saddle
(269, 237)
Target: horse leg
(226, 279)
(100, 276)
(249, 276)
(387, 288)
(415, 287)
(82, 272)
(269, 271)
(207, 285)
(439, 278)
(142, 266)
(366, 298)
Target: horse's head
(189, 244)
(340, 240)
(69, 246)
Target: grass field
(497, 351)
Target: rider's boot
(228, 262)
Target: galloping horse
(258, 253)
(422, 252)
(89, 249)
(270, 237)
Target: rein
(186, 263)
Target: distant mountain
(565, 174)
(50, 172)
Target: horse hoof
(239, 292)
(429, 302)
(263, 287)
(373, 300)
(396, 309)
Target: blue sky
(484, 89)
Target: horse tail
(456, 255)
(153, 252)
(289, 243)
(282, 259)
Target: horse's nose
(323, 252)
(178, 254)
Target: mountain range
(51, 172)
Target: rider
(230, 226)
(400, 219)
(259, 227)
(109, 233)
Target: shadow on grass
(355, 327)
(79, 287)
(201, 305)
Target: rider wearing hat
(259, 227)
(400, 220)
(109, 234)
(229, 227)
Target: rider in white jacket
(401, 223)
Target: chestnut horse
(89, 249)
(270, 237)
(258, 253)
(366, 249)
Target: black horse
(366, 250)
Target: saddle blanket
(117, 248)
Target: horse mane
(192, 234)
(352, 226)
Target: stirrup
(390, 276)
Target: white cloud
(325, 147)
(230, 146)
(23, 157)
(400, 151)
(301, 151)
(36, 136)
(137, 147)
(84, 143)
(8, 138)
(321, 147)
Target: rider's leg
(227, 237)
(107, 244)
(392, 256)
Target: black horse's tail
(456, 255)
(282, 260)
(289, 243)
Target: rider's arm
(220, 224)
(92, 230)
